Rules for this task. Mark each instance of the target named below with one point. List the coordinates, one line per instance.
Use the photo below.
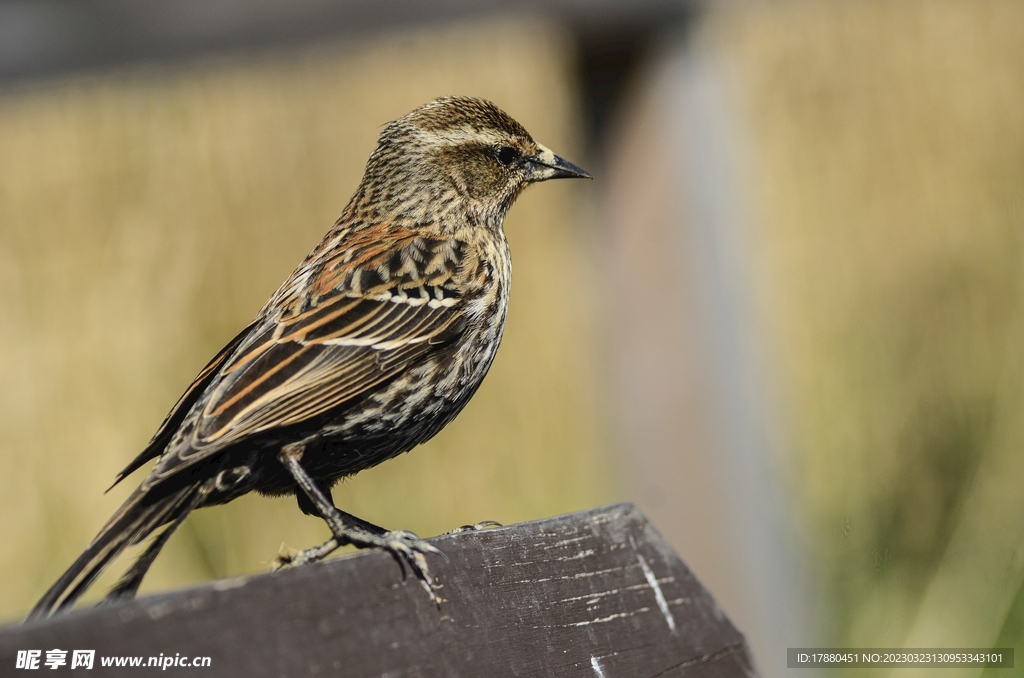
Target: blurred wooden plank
(42, 37)
(595, 593)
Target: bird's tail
(137, 518)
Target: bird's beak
(546, 165)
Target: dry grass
(146, 215)
(889, 147)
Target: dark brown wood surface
(596, 593)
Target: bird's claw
(408, 549)
(284, 559)
(291, 558)
(482, 525)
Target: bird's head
(464, 147)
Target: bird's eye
(507, 155)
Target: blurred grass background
(147, 214)
(876, 178)
(888, 160)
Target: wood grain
(595, 593)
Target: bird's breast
(430, 393)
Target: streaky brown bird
(373, 344)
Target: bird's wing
(306, 364)
(319, 360)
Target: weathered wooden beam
(596, 593)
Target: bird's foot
(483, 525)
(405, 547)
(409, 550)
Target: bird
(372, 345)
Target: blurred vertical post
(850, 326)
(693, 408)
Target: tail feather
(130, 581)
(137, 518)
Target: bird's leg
(306, 505)
(405, 547)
